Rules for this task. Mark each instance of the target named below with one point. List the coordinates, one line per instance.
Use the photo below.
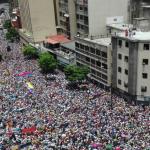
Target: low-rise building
(62, 49)
(131, 65)
(96, 55)
(66, 53)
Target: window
(125, 84)
(77, 16)
(86, 48)
(93, 71)
(78, 25)
(92, 50)
(119, 69)
(87, 59)
(104, 54)
(126, 44)
(119, 81)
(85, 9)
(77, 45)
(146, 47)
(143, 88)
(104, 66)
(126, 58)
(60, 14)
(120, 43)
(145, 61)
(81, 8)
(81, 46)
(104, 77)
(81, 17)
(98, 52)
(144, 75)
(126, 71)
(99, 74)
(98, 64)
(119, 56)
(93, 61)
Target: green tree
(47, 62)
(7, 24)
(75, 73)
(30, 52)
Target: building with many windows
(38, 20)
(96, 54)
(131, 64)
(93, 15)
(140, 14)
(66, 18)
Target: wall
(25, 15)
(143, 54)
(99, 10)
(42, 18)
(73, 29)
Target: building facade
(131, 65)
(36, 23)
(140, 14)
(96, 55)
(93, 15)
(67, 18)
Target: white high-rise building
(93, 15)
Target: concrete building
(117, 27)
(66, 18)
(95, 54)
(131, 65)
(66, 53)
(93, 15)
(38, 20)
(140, 14)
(14, 3)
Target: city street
(44, 115)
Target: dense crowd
(50, 116)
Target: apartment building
(131, 65)
(95, 53)
(38, 20)
(66, 18)
(93, 15)
(13, 4)
(140, 14)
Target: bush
(11, 34)
(30, 52)
(47, 62)
(7, 24)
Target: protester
(50, 116)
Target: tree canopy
(7, 24)
(30, 52)
(47, 62)
(12, 34)
(76, 73)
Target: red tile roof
(57, 39)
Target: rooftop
(120, 26)
(101, 41)
(55, 39)
(136, 35)
(69, 45)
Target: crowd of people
(52, 117)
